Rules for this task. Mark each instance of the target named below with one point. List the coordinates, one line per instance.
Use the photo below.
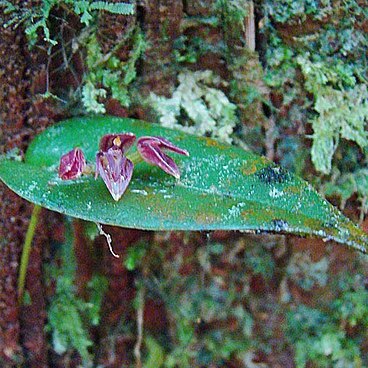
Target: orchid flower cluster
(113, 164)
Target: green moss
(299, 10)
(317, 71)
(246, 84)
(320, 335)
(69, 316)
(155, 353)
(190, 49)
(135, 255)
(38, 18)
(259, 261)
(199, 303)
(345, 185)
(232, 14)
(108, 75)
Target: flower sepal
(152, 151)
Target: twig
(270, 138)
(363, 209)
(250, 29)
(140, 310)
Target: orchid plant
(222, 187)
(114, 166)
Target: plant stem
(26, 252)
(135, 157)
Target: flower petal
(122, 141)
(164, 144)
(115, 170)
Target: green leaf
(221, 187)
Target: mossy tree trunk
(173, 260)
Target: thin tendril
(108, 239)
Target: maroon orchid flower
(111, 164)
(72, 164)
(114, 167)
(151, 149)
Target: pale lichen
(198, 106)
(306, 272)
(341, 112)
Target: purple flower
(114, 167)
(111, 164)
(151, 149)
(72, 164)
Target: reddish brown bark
(12, 233)
(117, 306)
(21, 120)
(33, 315)
(14, 211)
(161, 23)
(84, 258)
(23, 75)
(115, 29)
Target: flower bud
(72, 164)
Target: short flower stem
(135, 157)
(26, 252)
